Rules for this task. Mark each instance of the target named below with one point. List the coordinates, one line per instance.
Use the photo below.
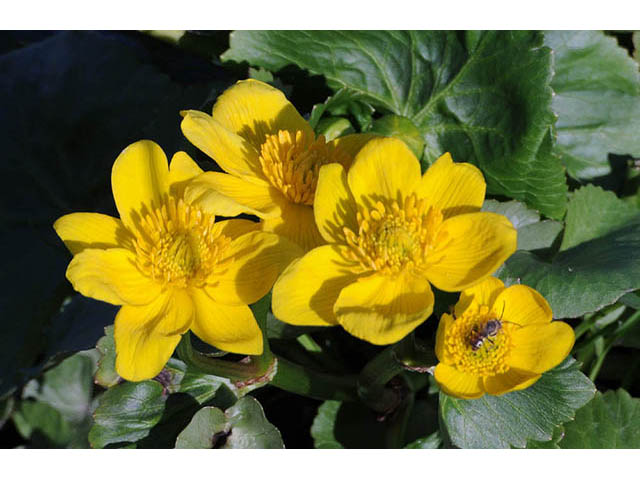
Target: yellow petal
(384, 168)
(383, 309)
(307, 290)
(253, 109)
(235, 227)
(445, 322)
(111, 276)
(255, 261)
(146, 336)
(352, 144)
(232, 152)
(139, 180)
(228, 196)
(541, 346)
(297, 224)
(231, 328)
(509, 381)
(458, 384)
(454, 188)
(80, 231)
(334, 207)
(484, 293)
(181, 169)
(522, 305)
(469, 248)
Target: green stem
(374, 378)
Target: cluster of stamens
(490, 357)
(177, 244)
(393, 237)
(291, 162)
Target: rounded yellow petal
(228, 196)
(334, 206)
(469, 248)
(181, 169)
(255, 261)
(383, 309)
(308, 289)
(139, 180)
(253, 110)
(484, 293)
(80, 231)
(235, 227)
(384, 168)
(458, 384)
(111, 276)
(539, 347)
(146, 336)
(231, 328)
(441, 353)
(297, 224)
(454, 188)
(232, 152)
(510, 381)
(522, 305)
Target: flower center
(291, 162)
(479, 342)
(179, 245)
(393, 237)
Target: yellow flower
(499, 340)
(169, 264)
(391, 233)
(271, 154)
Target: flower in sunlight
(498, 340)
(271, 155)
(169, 264)
(391, 233)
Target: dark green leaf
(610, 420)
(517, 417)
(249, 427)
(484, 96)
(432, 441)
(593, 212)
(597, 87)
(322, 429)
(202, 429)
(584, 278)
(558, 434)
(42, 424)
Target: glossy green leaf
(432, 441)
(483, 96)
(593, 212)
(517, 417)
(106, 375)
(204, 429)
(597, 100)
(322, 429)
(558, 434)
(584, 278)
(610, 420)
(249, 428)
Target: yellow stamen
(291, 162)
(178, 245)
(394, 236)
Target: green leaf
(402, 128)
(558, 434)
(106, 375)
(584, 278)
(597, 100)
(533, 234)
(334, 127)
(432, 441)
(610, 420)
(323, 425)
(249, 427)
(593, 212)
(203, 429)
(514, 418)
(483, 96)
(42, 424)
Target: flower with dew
(391, 233)
(498, 340)
(169, 264)
(272, 157)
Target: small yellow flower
(391, 232)
(499, 340)
(169, 264)
(272, 157)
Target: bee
(490, 329)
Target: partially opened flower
(498, 340)
(169, 264)
(391, 233)
(272, 157)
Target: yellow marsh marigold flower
(271, 154)
(499, 340)
(169, 264)
(391, 233)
